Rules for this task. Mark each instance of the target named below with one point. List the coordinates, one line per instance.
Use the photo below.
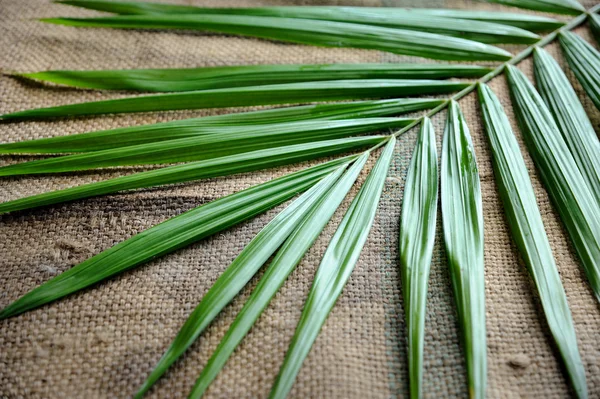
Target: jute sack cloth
(103, 342)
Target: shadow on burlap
(102, 342)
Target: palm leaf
(284, 263)
(173, 234)
(224, 166)
(190, 79)
(462, 217)
(245, 96)
(292, 221)
(560, 174)
(223, 142)
(417, 235)
(481, 31)
(571, 7)
(335, 269)
(307, 31)
(575, 126)
(523, 21)
(134, 135)
(584, 59)
(527, 228)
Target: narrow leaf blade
(307, 31)
(527, 227)
(462, 217)
(224, 141)
(195, 171)
(571, 118)
(417, 236)
(289, 93)
(241, 270)
(524, 21)
(335, 269)
(134, 135)
(171, 235)
(584, 59)
(570, 7)
(559, 172)
(208, 78)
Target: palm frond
(417, 235)
(562, 178)
(462, 217)
(224, 166)
(524, 21)
(335, 269)
(296, 235)
(173, 234)
(190, 79)
(134, 135)
(584, 59)
(289, 93)
(307, 31)
(571, 7)
(575, 126)
(220, 142)
(525, 222)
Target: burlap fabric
(102, 342)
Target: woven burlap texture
(102, 342)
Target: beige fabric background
(102, 342)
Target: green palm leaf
(559, 171)
(575, 126)
(584, 59)
(288, 93)
(134, 135)
(417, 235)
(293, 221)
(307, 31)
(462, 217)
(224, 166)
(190, 79)
(571, 7)
(523, 21)
(222, 142)
(335, 269)
(173, 234)
(284, 263)
(527, 228)
(481, 31)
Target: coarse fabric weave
(103, 341)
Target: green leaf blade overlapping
(135, 135)
(570, 116)
(527, 227)
(222, 142)
(289, 93)
(208, 78)
(307, 31)
(334, 271)
(524, 21)
(560, 174)
(584, 60)
(172, 234)
(224, 166)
